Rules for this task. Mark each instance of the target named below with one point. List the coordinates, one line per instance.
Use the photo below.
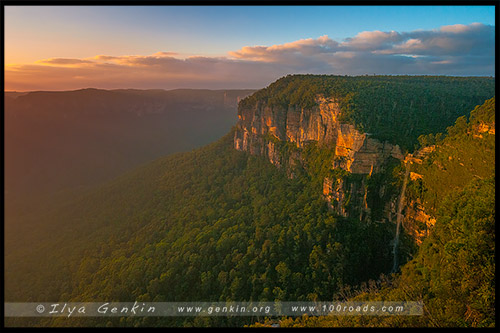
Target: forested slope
(212, 224)
(453, 272)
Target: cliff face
(416, 222)
(260, 126)
(263, 129)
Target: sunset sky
(220, 47)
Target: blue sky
(81, 32)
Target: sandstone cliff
(263, 129)
(260, 126)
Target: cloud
(370, 40)
(452, 40)
(416, 52)
(63, 61)
(165, 54)
(460, 28)
(146, 72)
(449, 50)
(303, 47)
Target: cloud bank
(450, 50)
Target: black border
(4, 3)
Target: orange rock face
(360, 153)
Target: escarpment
(269, 130)
(357, 137)
(261, 126)
(359, 185)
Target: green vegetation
(216, 224)
(210, 225)
(453, 272)
(397, 109)
(464, 154)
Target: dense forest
(217, 224)
(453, 272)
(214, 224)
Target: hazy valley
(58, 142)
(323, 184)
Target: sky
(237, 47)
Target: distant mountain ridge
(60, 140)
